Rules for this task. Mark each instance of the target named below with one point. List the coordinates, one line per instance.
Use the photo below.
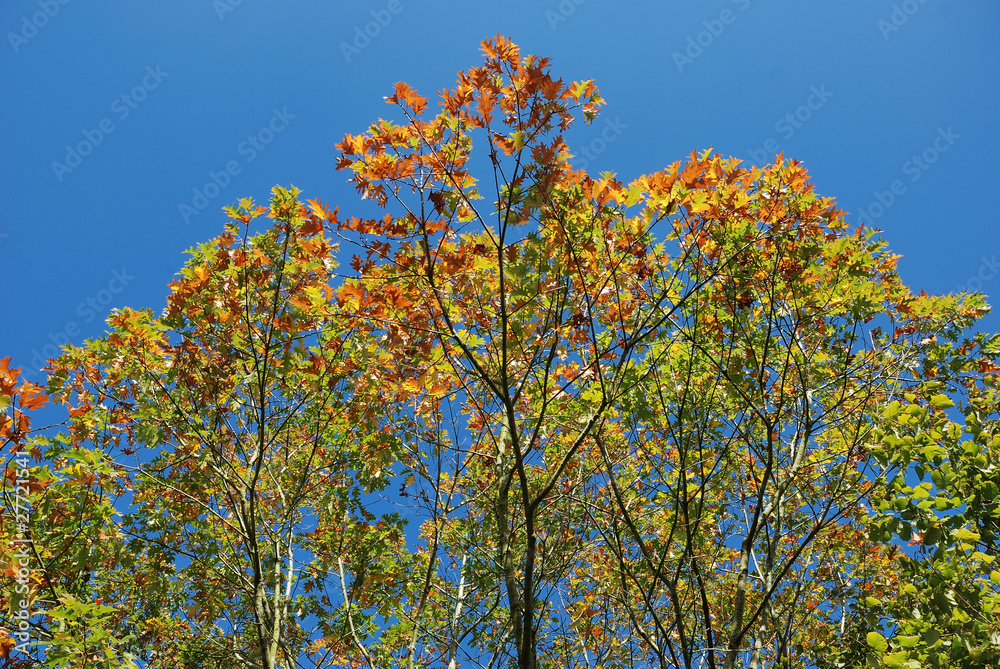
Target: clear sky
(115, 113)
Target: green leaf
(941, 401)
(877, 642)
(965, 535)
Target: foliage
(684, 421)
(948, 598)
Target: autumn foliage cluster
(545, 419)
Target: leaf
(877, 642)
(941, 401)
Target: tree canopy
(547, 419)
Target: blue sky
(891, 105)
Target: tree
(673, 422)
(222, 430)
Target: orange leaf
(32, 396)
(8, 376)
